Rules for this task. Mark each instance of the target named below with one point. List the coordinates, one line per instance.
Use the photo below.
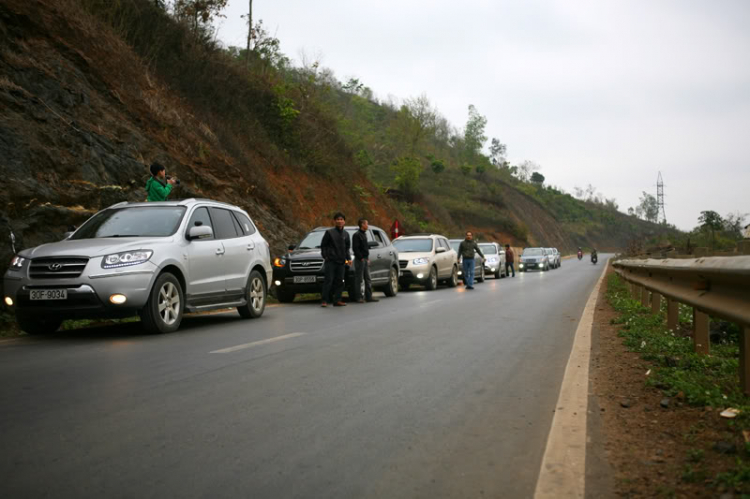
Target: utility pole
(249, 30)
(662, 216)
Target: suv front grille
(403, 263)
(57, 268)
(306, 265)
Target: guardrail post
(655, 303)
(635, 291)
(701, 340)
(745, 359)
(644, 296)
(672, 314)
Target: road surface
(448, 393)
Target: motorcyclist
(580, 253)
(594, 256)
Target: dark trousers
(333, 285)
(509, 265)
(362, 271)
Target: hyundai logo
(305, 264)
(54, 267)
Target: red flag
(395, 230)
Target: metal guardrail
(713, 286)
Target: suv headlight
(126, 259)
(17, 263)
(279, 262)
(420, 261)
(492, 259)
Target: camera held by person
(160, 185)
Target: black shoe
(469, 287)
(373, 300)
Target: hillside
(92, 91)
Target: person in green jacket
(159, 186)
(466, 251)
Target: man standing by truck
(510, 259)
(361, 250)
(466, 251)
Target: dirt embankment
(83, 116)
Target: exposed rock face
(82, 117)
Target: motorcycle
(580, 255)
(594, 258)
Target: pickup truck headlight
(17, 263)
(420, 261)
(126, 259)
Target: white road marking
(258, 343)
(563, 472)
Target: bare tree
(249, 30)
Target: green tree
(465, 168)
(199, 12)
(438, 166)
(710, 222)
(474, 137)
(407, 170)
(497, 153)
(648, 208)
(537, 178)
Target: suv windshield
(455, 245)
(146, 221)
(488, 249)
(413, 245)
(314, 238)
(533, 252)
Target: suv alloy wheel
(453, 281)
(432, 281)
(256, 297)
(392, 288)
(163, 310)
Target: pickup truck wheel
(453, 281)
(255, 295)
(391, 289)
(163, 310)
(432, 280)
(38, 325)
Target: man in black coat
(361, 250)
(335, 251)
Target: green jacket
(467, 248)
(156, 190)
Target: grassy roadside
(693, 381)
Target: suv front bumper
(87, 296)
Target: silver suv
(156, 260)
(534, 258)
(426, 259)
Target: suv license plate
(299, 279)
(49, 294)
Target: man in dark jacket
(466, 251)
(335, 251)
(361, 250)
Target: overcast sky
(607, 92)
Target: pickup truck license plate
(301, 279)
(49, 294)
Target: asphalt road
(448, 393)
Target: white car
(494, 255)
(156, 260)
(554, 257)
(426, 259)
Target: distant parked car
(554, 257)
(495, 259)
(301, 270)
(426, 259)
(534, 259)
(478, 267)
(156, 260)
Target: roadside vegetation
(692, 380)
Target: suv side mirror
(291, 247)
(440, 249)
(372, 244)
(200, 232)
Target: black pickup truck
(301, 269)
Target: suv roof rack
(117, 205)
